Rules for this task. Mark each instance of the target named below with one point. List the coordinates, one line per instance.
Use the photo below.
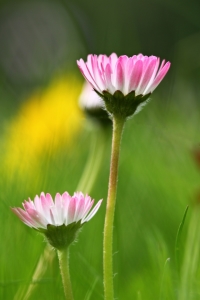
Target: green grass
(157, 180)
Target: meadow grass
(157, 180)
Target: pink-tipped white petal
(161, 74)
(37, 217)
(79, 209)
(38, 204)
(24, 217)
(119, 76)
(63, 211)
(46, 208)
(86, 73)
(88, 205)
(71, 210)
(49, 199)
(92, 67)
(66, 200)
(59, 208)
(28, 204)
(137, 73)
(113, 60)
(54, 216)
(147, 76)
(152, 76)
(135, 76)
(108, 78)
(93, 212)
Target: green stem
(63, 257)
(118, 124)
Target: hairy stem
(63, 257)
(118, 124)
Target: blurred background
(47, 143)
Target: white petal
(93, 212)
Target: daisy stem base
(118, 124)
(63, 257)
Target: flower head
(133, 78)
(93, 105)
(59, 220)
(88, 99)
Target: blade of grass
(89, 293)
(178, 239)
(162, 292)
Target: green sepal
(100, 95)
(120, 105)
(60, 237)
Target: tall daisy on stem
(59, 221)
(125, 85)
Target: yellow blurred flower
(49, 119)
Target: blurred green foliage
(157, 178)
